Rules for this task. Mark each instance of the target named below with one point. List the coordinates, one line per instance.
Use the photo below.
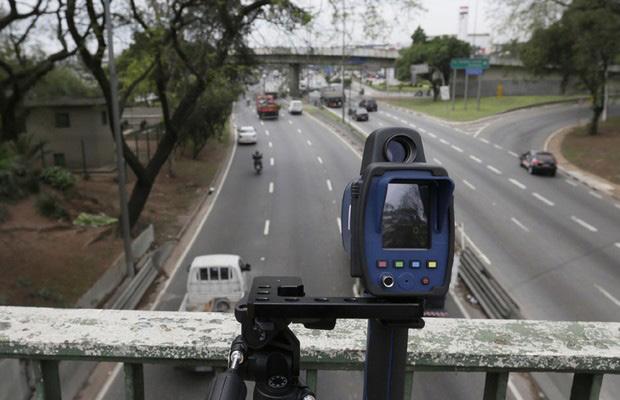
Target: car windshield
(545, 157)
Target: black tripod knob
(227, 386)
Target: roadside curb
(594, 182)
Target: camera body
(398, 220)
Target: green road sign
(462, 63)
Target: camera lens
(399, 149)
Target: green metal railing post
(134, 381)
(586, 386)
(495, 386)
(408, 385)
(311, 379)
(51, 380)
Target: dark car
(538, 162)
(358, 113)
(369, 104)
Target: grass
(596, 154)
(488, 106)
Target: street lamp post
(120, 159)
(342, 62)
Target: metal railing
(496, 347)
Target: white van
(215, 282)
(295, 107)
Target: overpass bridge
(295, 57)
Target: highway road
(553, 243)
(285, 221)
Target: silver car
(246, 135)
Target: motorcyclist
(257, 156)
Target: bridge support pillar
(293, 79)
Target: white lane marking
(437, 161)
(512, 153)
(272, 161)
(584, 224)
(492, 168)
(457, 148)
(469, 185)
(329, 185)
(290, 122)
(330, 130)
(543, 199)
(309, 142)
(597, 195)
(617, 205)
(270, 187)
(476, 159)
(422, 130)
(339, 225)
(298, 130)
(380, 123)
(517, 183)
(262, 123)
(431, 134)
(483, 140)
(617, 244)
(266, 229)
(320, 160)
(608, 295)
(266, 132)
(444, 141)
(519, 224)
(571, 182)
(497, 146)
(270, 144)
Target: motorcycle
(258, 166)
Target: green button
(399, 264)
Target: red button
(425, 280)
(382, 264)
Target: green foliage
(18, 176)
(436, 52)
(49, 206)
(4, 214)
(94, 220)
(58, 178)
(582, 44)
(63, 81)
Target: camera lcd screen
(405, 220)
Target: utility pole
(342, 61)
(120, 159)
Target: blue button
(415, 264)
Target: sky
(439, 17)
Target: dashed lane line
(320, 160)
(272, 161)
(437, 161)
(298, 130)
(270, 187)
(457, 148)
(597, 195)
(517, 183)
(483, 140)
(497, 146)
(270, 144)
(519, 224)
(492, 168)
(267, 132)
(469, 185)
(476, 159)
(543, 199)
(290, 122)
(583, 223)
(309, 142)
(329, 185)
(266, 228)
(571, 182)
(339, 225)
(608, 295)
(512, 153)
(431, 134)
(617, 244)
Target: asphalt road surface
(285, 221)
(553, 243)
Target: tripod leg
(386, 355)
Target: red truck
(267, 107)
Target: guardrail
(498, 347)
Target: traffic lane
(543, 238)
(580, 205)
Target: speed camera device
(398, 219)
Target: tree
(583, 43)
(185, 45)
(22, 62)
(437, 53)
